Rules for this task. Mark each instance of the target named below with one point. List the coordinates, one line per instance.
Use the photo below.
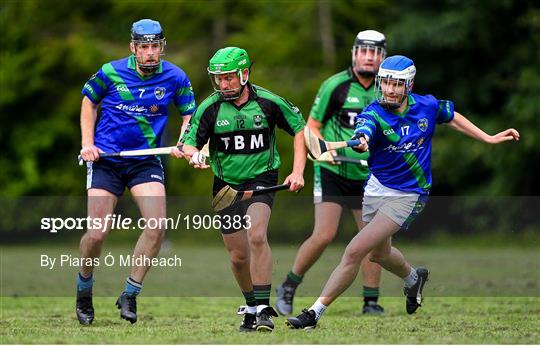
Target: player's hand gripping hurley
(316, 146)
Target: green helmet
(228, 60)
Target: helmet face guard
(229, 93)
(394, 81)
(227, 65)
(371, 45)
(392, 92)
(147, 34)
(377, 53)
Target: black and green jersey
(340, 98)
(242, 138)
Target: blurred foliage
(483, 55)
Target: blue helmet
(147, 31)
(400, 71)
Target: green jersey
(340, 98)
(242, 138)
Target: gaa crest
(361, 122)
(257, 120)
(159, 92)
(423, 124)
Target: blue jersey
(134, 108)
(400, 144)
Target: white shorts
(401, 207)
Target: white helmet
(399, 70)
(369, 39)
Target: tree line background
(484, 55)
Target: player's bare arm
(89, 151)
(315, 126)
(465, 126)
(185, 122)
(296, 178)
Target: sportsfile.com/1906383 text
(119, 222)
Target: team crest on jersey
(257, 120)
(361, 122)
(423, 124)
(159, 92)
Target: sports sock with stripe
(262, 294)
(132, 287)
(293, 280)
(85, 284)
(371, 294)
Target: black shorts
(267, 179)
(115, 177)
(331, 187)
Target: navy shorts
(115, 177)
(267, 179)
(331, 187)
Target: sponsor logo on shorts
(155, 176)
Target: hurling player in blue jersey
(134, 94)
(397, 129)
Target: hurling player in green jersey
(332, 117)
(239, 121)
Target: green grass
(465, 301)
(213, 320)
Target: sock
(371, 294)
(411, 279)
(84, 284)
(133, 287)
(293, 280)
(251, 302)
(262, 294)
(319, 309)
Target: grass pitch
(465, 301)
(212, 320)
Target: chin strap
(233, 97)
(148, 69)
